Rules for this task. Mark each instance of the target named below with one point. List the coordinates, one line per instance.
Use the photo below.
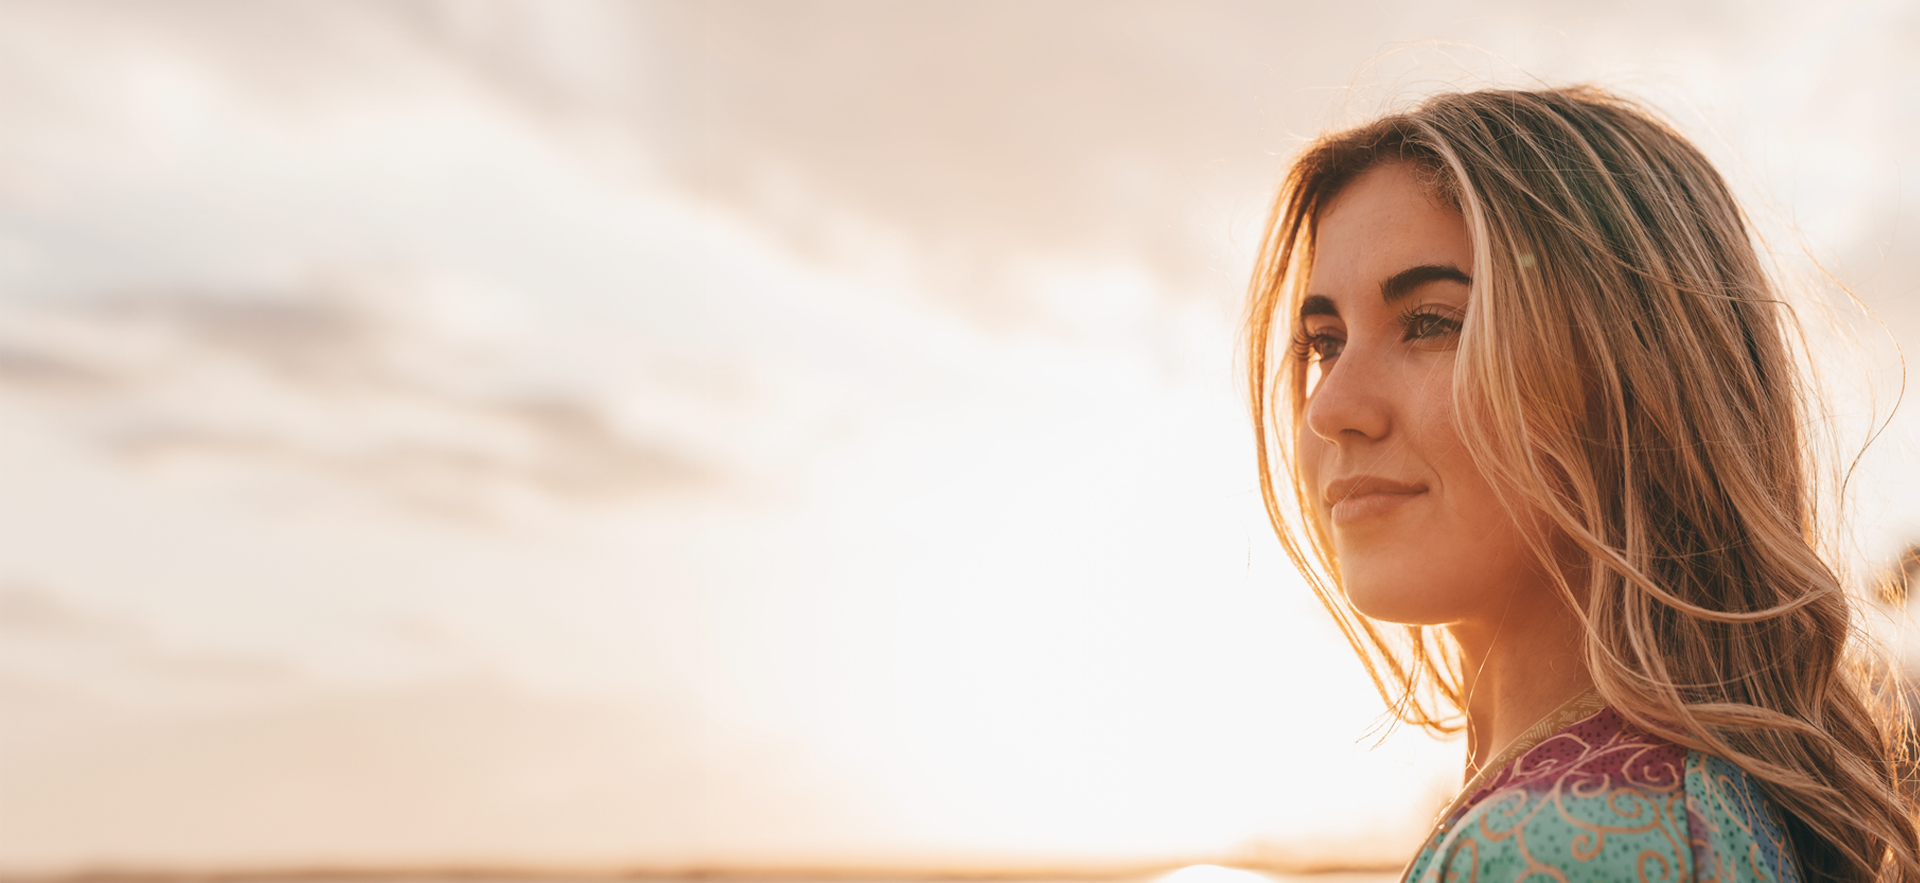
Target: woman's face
(1420, 536)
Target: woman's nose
(1352, 401)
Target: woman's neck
(1519, 669)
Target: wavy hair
(1628, 369)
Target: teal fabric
(1603, 801)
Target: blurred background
(749, 437)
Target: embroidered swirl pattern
(1603, 801)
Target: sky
(753, 435)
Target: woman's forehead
(1380, 226)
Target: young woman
(1537, 401)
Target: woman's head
(1587, 393)
(1615, 376)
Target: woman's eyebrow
(1403, 283)
(1318, 305)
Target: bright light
(1214, 874)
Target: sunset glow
(688, 436)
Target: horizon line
(107, 872)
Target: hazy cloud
(59, 657)
(327, 381)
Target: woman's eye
(1328, 347)
(1318, 346)
(1430, 330)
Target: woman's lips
(1367, 496)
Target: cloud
(28, 367)
(338, 382)
(59, 658)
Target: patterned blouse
(1585, 796)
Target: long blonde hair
(1628, 369)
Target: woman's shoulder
(1604, 800)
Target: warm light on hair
(1628, 370)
